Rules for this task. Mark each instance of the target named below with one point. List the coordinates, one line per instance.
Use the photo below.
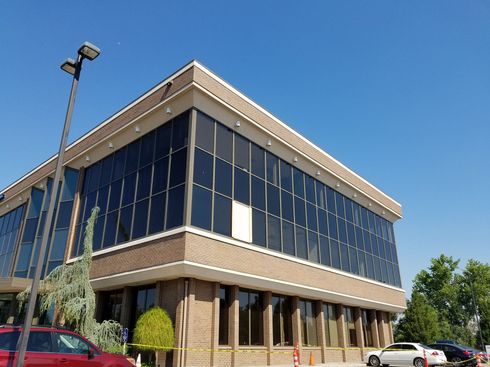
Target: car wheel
(456, 360)
(385, 365)
(374, 361)
(419, 362)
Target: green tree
(154, 330)
(68, 287)
(420, 322)
(439, 285)
(474, 298)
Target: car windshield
(424, 346)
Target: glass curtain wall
(308, 323)
(34, 226)
(250, 318)
(292, 212)
(330, 322)
(139, 188)
(282, 330)
(350, 327)
(10, 224)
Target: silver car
(405, 354)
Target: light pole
(90, 52)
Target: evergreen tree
(68, 287)
(420, 322)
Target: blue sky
(398, 91)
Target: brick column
(358, 324)
(341, 330)
(320, 327)
(268, 332)
(374, 328)
(381, 328)
(296, 321)
(180, 299)
(234, 319)
(13, 310)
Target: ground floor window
(330, 322)
(308, 323)
(366, 328)
(112, 305)
(224, 314)
(350, 327)
(281, 320)
(5, 304)
(250, 319)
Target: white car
(405, 354)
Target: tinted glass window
(258, 227)
(124, 226)
(224, 142)
(140, 218)
(335, 254)
(175, 208)
(331, 201)
(39, 342)
(157, 213)
(272, 169)
(160, 175)
(258, 193)
(310, 189)
(273, 206)
(102, 200)
(147, 149)
(287, 206)
(274, 233)
(313, 246)
(299, 211)
(178, 167)
(344, 256)
(203, 168)
(180, 131)
(222, 215)
(201, 207)
(312, 220)
(222, 180)
(144, 183)
(339, 201)
(325, 251)
(162, 144)
(242, 186)
(301, 245)
(110, 228)
(132, 157)
(286, 176)
(299, 187)
(205, 132)
(8, 341)
(241, 152)
(258, 165)
(128, 189)
(288, 246)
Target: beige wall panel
(333, 355)
(284, 357)
(251, 359)
(353, 355)
(222, 359)
(223, 255)
(157, 252)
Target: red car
(55, 347)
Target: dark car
(456, 353)
(55, 347)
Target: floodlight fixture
(89, 51)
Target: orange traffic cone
(426, 361)
(312, 359)
(478, 360)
